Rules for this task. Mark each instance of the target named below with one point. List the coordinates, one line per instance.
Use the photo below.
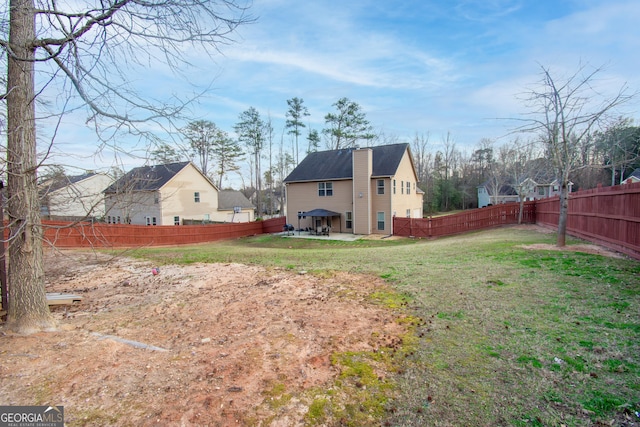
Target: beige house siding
(244, 215)
(403, 202)
(303, 197)
(83, 198)
(133, 208)
(364, 194)
(177, 197)
(381, 203)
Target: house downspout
(391, 215)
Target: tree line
(218, 154)
(448, 175)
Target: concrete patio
(347, 237)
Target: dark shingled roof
(319, 212)
(337, 164)
(146, 178)
(228, 199)
(68, 180)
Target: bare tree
(521, 168)
(565, 112)
(85, 53)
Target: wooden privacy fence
(609, 216)
(100, 235)
(476, 219)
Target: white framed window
(408, 213)
(380, 186)
(408, 187)
(380, 216)
(196, 197)
(401, 187)
(176, 220)
(348, 220)
(325, 189)
(394, 186)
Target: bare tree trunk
(521, 209)
(564, 211)
(28, 310)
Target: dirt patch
(585, 248)
(205, 344)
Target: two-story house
(72, 198)
(354, 190)
(161, 195)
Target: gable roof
(228, 199)
(146, 178)
(57, 184)
(337, 164)
(635, 174)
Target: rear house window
(325, 189)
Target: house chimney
(362, 169)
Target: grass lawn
(505, 335)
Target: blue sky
(415, 67)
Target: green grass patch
(529, 360)
(500, 334)
(451, 316)
(602, 403)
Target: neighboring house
(354, 190)
(487, 195)
(161, 195)
(74, 197)
(634, 177)
(509, 193)
(233, 206)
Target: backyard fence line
(463, 222)
(100, 235)
(608, 216)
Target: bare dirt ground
(579, 247)
(206, 344)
